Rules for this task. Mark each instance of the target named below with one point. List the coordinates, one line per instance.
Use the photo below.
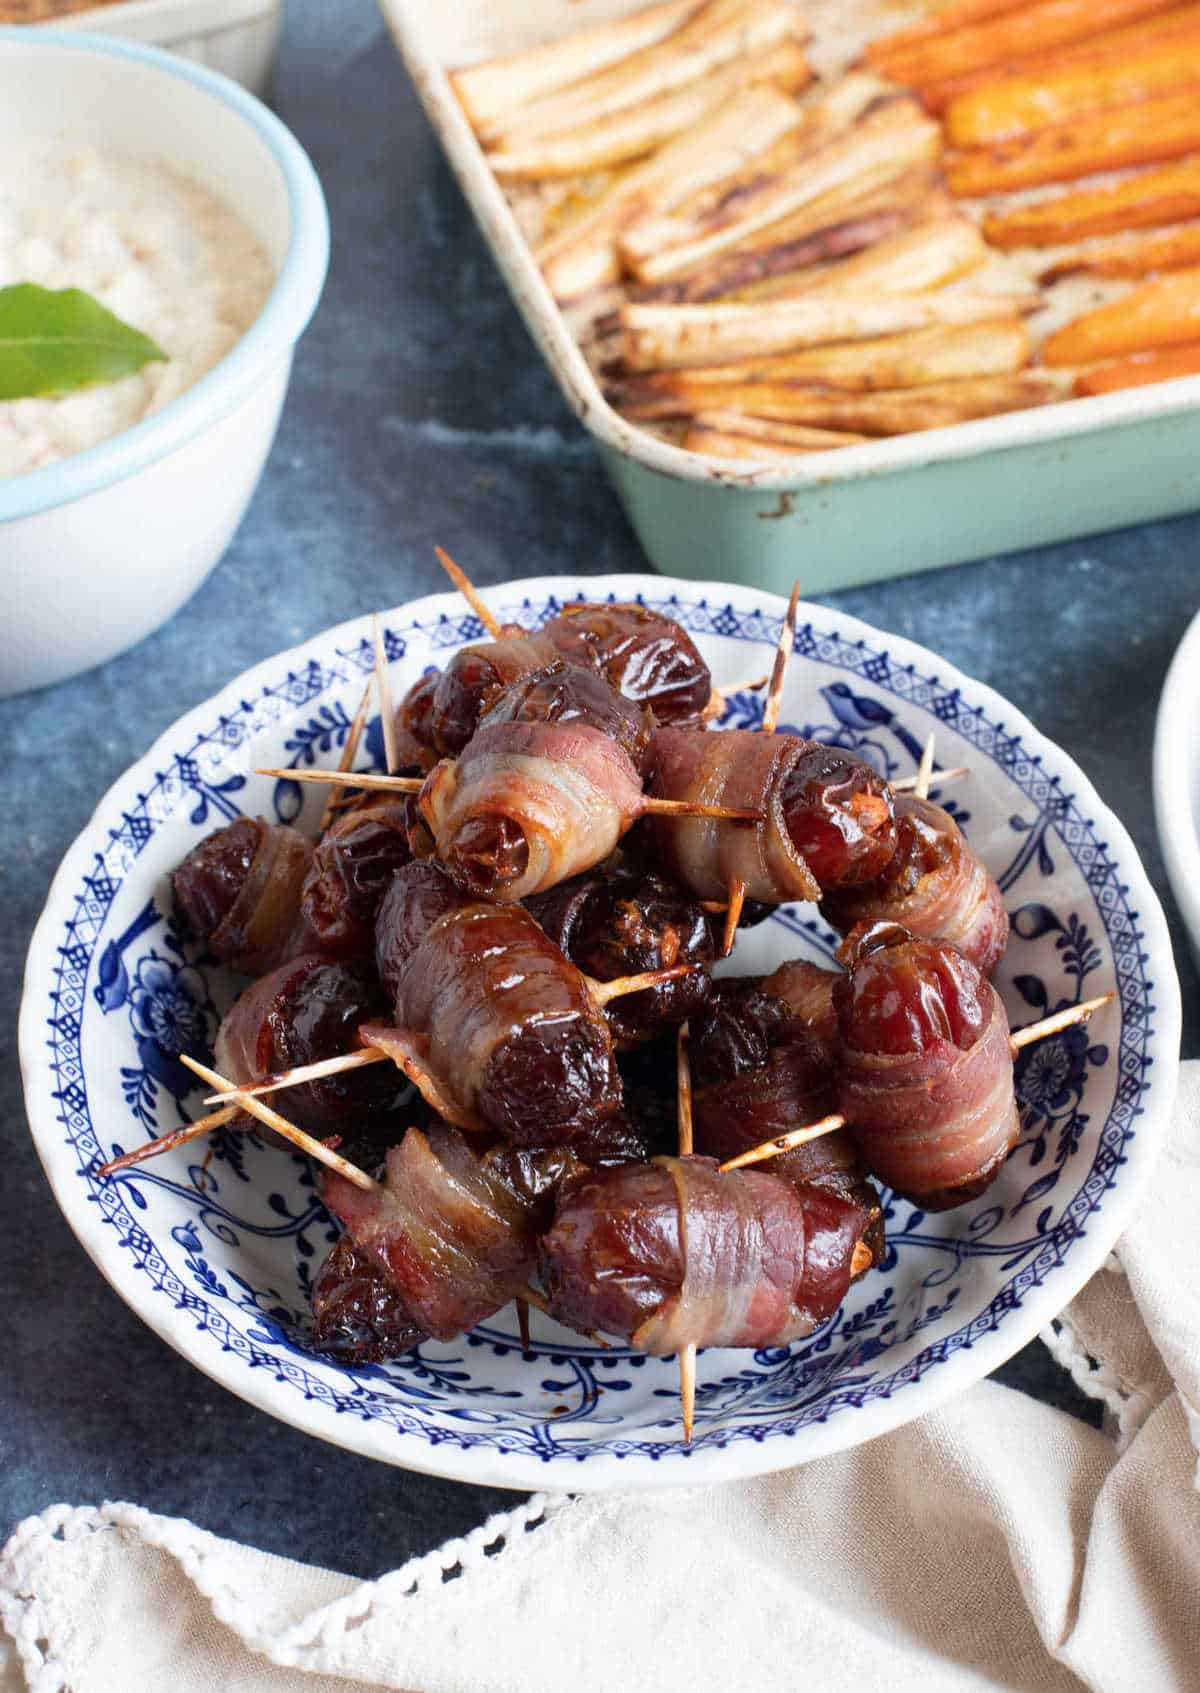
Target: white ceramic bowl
(98, 550)
(1177, 778)
(235, 37)
(222, 1270)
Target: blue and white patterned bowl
(221, 1266)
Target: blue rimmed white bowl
(101, 548)
(221, 1269)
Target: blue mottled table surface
(420, 412)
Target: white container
(101, 548)
(235, 37)
(1177, 779)
(835, 519)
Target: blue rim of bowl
(290, 304)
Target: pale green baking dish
(837, 519)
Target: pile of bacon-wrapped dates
(466, 932)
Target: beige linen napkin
(993, 1544)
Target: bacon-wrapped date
(828, 817)
(620, 920)
(301, 1013)
(642, 654)
(352, 868)
(257, 894)
(805, 990)
(501, 1017)
(926, 1074)
(763, 1057)
(441, 712)
(934, 886)
(675, 1253)
(451, 1233)
(238, 892)
(359, 1314)
(544, 789)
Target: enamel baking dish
(855, 515)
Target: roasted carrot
(1144, 255)
(1099, 50)
(1158, 314)
(1140, 371)
(939, 22)
(1031, 29)
(1165, 128)
(1144, 201)
(1015, 108)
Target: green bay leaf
(54, 341)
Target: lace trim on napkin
(1126, 1405)
(305, 1646)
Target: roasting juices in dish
(596, 1127)
(121, 284)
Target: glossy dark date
(621, 920)
(645, 656)
(904, 996)
(208, 882)
(359, 1315)
(838, 812)
(352, 868)
(567, 693)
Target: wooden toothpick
(346, 761)
(687, 1354)
(470, 593)
(387, 712)
(783, 652)
(167, 1142)
(315, 1148)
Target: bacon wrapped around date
(933, 885)
(763, 1057)
(828, 817)
(493, 1008)
(256, 894)
(545, 788)
(304, 1012)
(926, 1073)
(238, 892)
(453, 1234)
(645, 656)
(441, 712)
(619, 920)
(675, 1253)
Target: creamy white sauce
(161, 252)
